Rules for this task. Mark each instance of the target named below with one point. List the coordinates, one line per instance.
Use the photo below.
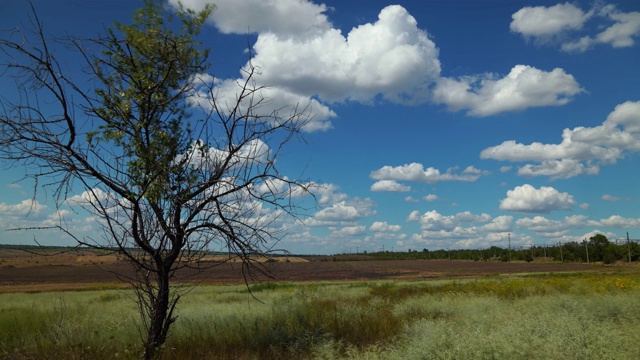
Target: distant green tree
(610, 254)
(599, 240)
(528, 257)
(634, 249)
(598, 246)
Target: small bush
(268, 286)
(108, 296)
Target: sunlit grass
(557, 327)
(43, 325)
(549, 316)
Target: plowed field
(21, 271)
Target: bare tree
(168, 168)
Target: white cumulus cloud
(617, 221)
(563, 24)
(253, 152)
(558, 169)
(24, 208)
(328, 194)
(434, 221)
(417, 173)
(582, 149)
(338, 212)
(259, 101)
(549, 228)
(303, 59)
(430, 198)
(499, 224)
(541, 21)
(391, 57)
(383, 226)
(390, 186)
(282, 17)
(348, 231)
(621, 34)
(528, 199)
(522, 88)
(343, 212)
(464, 229)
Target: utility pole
(586, 246)
(628, 246)
(509, 246)
(561, 257)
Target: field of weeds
(538, 316)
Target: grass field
(586, 315)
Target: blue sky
(437, 124)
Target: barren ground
(23, 271)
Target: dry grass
(542, 316)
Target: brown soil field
(22, 271)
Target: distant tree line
(596, 249)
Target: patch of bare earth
(87, 270)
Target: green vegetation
(597, 249)
(543, 316)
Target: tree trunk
(161, 315)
